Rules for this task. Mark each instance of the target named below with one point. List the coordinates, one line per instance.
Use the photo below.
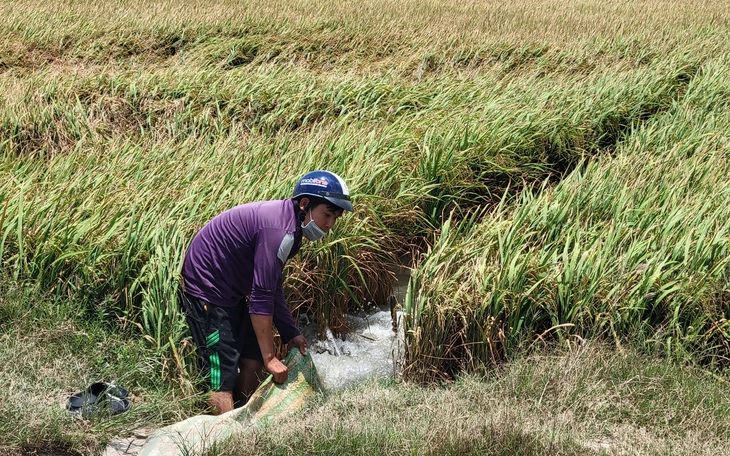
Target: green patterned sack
(270, 401)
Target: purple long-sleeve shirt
(241, 252)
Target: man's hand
(278, 370)
(262, 327)
(300, 342)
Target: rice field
(551, 170)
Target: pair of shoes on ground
(99, 398)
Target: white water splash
(331, 344)
(372, 350)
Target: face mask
(312, 231)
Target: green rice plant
(631, 248)
(453, 172)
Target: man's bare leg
(251, 375)
(221, 401)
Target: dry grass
(587, 401)
(369, 37)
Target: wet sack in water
(270, 401)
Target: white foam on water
(372, 350)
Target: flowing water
(374, 348)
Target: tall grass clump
(634, 249)
(108, 219)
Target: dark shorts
(222, 335)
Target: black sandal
(100, 397)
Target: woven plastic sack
(270, 401)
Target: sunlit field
(552, 173)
